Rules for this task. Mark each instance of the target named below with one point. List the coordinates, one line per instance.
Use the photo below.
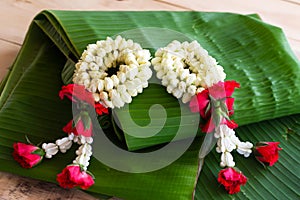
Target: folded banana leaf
(253, 53)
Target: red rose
(267, 152)
(229, 103)
(79, 128)
(69, 128)
(199, 103)
(77, 93)
(100, 109)
(222, 90)
(73, 176)
(230, 123)
(208, 126)
(231, 180)
(230, 86)
(215, 105)
(27, 155)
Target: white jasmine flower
(156, 62)
(100, 85)
(138, 85)
(71, 136)
(174, 82)
(183, 73)
(121, 76)
(108, 103)
(165, 80)
(126, 97)
(50, 149)
(227, 160)
(64, 144)
(108, 84)
(89, 140)
(190, 79)
(177, 93)
(172, 75)
(103, 96)
(84, 154)
(132, 92)
(82, 66)
(116, 98)
(132, 71)
(191, 89)
(115, 80)
(186, 97)
(160, 74)
(245, 148)
(93, 85)
(93, 66)
(228, 144)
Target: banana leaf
(252, 52)
(280, 181)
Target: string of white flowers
(61, 145)
(227, 142)
(83, 153)
(114, 71)
(186, 69)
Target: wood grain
(19, 13)
(14, 187)
(16, 15)
(8, 52)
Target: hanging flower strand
(108, 75)
(192, 75)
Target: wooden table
(16, 16)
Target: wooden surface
(16, 15)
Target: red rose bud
(78, 129)
(82, 125)
(222, 90)
(76, 92)
(208, 126)
(231, 180)
(267, 152)
(73, 176)
(230, 123)
(69, 128)
(100, 109)
(215, 105)
(230, 86)
(27, 155)
(199, 103)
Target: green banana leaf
(253, 53)
(280, 181)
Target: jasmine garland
(114, 71)
(186, 69)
